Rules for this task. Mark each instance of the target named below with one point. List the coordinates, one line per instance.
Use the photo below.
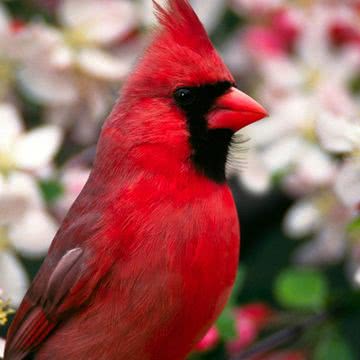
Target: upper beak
(234, 110)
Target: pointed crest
(181, 21)
(181, 53)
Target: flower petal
(102, 65)
(11, 207)
(272, 130)
(209, 341)
(328, 247)
(255, 177)
(18, 192)
(25, 185)
(36, 149)
(291, 75)
(33, 233)
(100, 22)
(302, 219)
(13, 278)
(2, 348)
(42, 47)
(11, 125)
(314, 168)
(347, 185)
(283, 153)
(337, 134)
(47, 86)
(278, 125)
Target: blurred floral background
(62, 63)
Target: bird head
(181, 99)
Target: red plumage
(146, 257)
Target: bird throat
(210, 150)
(210, 147)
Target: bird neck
(118, 153)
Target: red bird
(145, 260)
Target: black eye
(185, 96)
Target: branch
(282, 337)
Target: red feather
(146, 258)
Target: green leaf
(226, 324)
(239, 282)
(51, 190)
(302, 289)
(355, 84)
(354, 226)
(333, 346)
(278, 176)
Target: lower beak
(235, 110)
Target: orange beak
(235, 110)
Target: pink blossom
(287, 24)
(249, 321)
(17, 26)
(259, 313)
(343, 33)
(276, 39)
(209, 341)
(262, 42)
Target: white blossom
(73, 69)
(302, 219)
(347, 184)
(311, 141)
(32, 150)
(323, 221)
(13, 278)
(25, 226)
(2, 347)
(98, 22)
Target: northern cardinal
(146, 258)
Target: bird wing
(48, 301)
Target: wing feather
(38, 314)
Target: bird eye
(185, 96)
